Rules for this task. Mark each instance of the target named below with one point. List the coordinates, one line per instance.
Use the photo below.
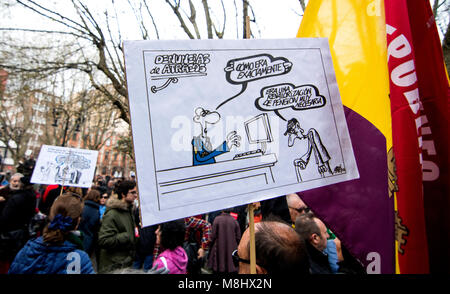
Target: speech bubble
(281, 96)
(240, 71)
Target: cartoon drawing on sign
(46, 170)
(315, 146)
(240, 71)
(258, 132)
(208, 120)
(175, 66)
(277, 97)
(202, 152)
(65, 166)
(68, 168)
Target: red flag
(420, 94)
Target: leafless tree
(95, 40)
(441, 11)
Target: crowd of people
(56, 229)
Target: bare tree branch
(208, 19)
(176, 9)
(303, 5)
(153, 20)
(193, 19)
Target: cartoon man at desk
(314, 146)
(202, 148)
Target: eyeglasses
(237, 259)
(133, 192)
(105, 197)
(305, 209)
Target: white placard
(221, 123)
(65, 166)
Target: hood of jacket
(40, 257)
(116, 203)
(92, 204)
(176, 260)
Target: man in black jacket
(315, 234)
(14, 220)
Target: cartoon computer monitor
(258, 132)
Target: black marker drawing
(240, 71)
(155, 89)
(258, 132)
(339, 169)
(65, 166)
(208, 120)
(202, 151)
(175, 66)
(46, 170)
(69, 168)
(315, 146)
(252, 167)
(280, 96)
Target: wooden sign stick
(251, 206)
(251, 225)
(64, 174)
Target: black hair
(172, 234)
(305, 225)
(123, 187)
(290, 125)
(280, 250)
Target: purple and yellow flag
(360, 212)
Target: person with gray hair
(7, 191)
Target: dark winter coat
(116, 238)
(225, 239)
(90, 225)
(5, 192)
(18, 210)
(318, 261)
(38, 257)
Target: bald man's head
(279, 249)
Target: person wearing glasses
(296, 207)
(279, 250)
(60, 249)
(102, 204)
(116, 237)
(333, 249)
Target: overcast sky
(275, 19)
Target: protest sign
(65, 166)
(218, 124)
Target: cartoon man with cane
(314, 146)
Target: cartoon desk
(215, 179)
